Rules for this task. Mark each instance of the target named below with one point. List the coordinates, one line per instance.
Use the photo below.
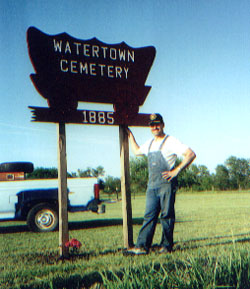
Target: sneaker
(137, 251)
(165, 250)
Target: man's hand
(169, 175)
(189, 156)
(129, 132)
(134, 145)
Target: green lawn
(211, 249)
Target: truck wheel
(42, 218)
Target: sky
(199, 78)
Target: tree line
(234, 174)
(52, 173)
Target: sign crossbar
(90, 117)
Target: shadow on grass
(180, 246)
(79, 225)
(191, 244)
(13, 229)
(76, 225)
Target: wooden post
(62, 192)
(125, 188)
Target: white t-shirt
(171, 149)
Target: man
(162, 152)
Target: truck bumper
(95, 206)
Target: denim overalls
(160, 197)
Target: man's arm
(135, 147)
(189, 156)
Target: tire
(42, 218)
(13, 167)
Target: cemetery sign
(69, 70)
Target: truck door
(8, 201)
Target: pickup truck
(36, 201)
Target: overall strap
(149, 147)
(165, 138)
(160, 145)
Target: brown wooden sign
(94, 117)
(68, 70)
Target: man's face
(157, 129)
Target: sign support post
(125, 188)
(62, 190)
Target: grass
(211, 249)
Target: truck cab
(36, 201)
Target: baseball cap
(155, 118)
